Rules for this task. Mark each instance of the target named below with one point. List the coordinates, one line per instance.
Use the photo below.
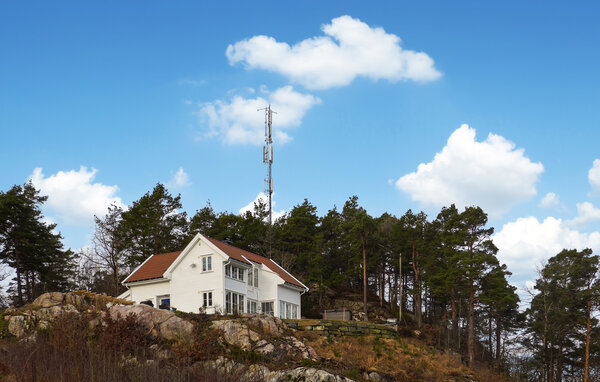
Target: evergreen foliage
(30, 246)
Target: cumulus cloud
(350, 48)
(526, 243)
(180, 179)
(238, 121)
(491, 174)
(594, 176)
(586, 213)
(262, 197)
(74, 196)
(549, 200)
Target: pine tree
(359, 227)
(477, 257)
(30, 247)
(153, 224)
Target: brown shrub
(121, 335)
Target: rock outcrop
(158, 322)
(43, 310)
(264, 334)
(260, 372)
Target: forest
(441, 273)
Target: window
(253, 277)
(164, 302)
(267, 308)
(251, 306)
(234, 302)
(234, 272)
(207, 263)
(207, 299)
(288, 310)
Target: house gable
(188, 248)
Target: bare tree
(108, 249)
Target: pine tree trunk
(417, 286)
(490, 337)
(19, 288)
(470, 335)
(550, 361)
(498, 342)
(364, 250)
(116, 278)
(454, 318)
(587, 340)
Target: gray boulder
(51, 299)
(18, 326)
(157, 322)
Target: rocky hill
(83, 336)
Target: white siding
(189, 282)
(150, 292)
(288, 295)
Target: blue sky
(135, 91)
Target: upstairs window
(206, 263)
(234, 272)
(253, 277)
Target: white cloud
(350, 48)
(180, 179)
(73, 195)
(549, 200)
(491, 174)
(594, 176)
(261, 196)
(239, 122)
(526, 243)
(586, 213)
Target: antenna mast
(268, 160)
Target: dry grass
(405, 360)
(100, 300)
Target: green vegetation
(440, 273)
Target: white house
(217, 277)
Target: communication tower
(268, 160)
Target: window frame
(207, 297)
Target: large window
(234, 272)
(251, 306)
(234, 302)
(206, 263)
(267, 308)
(288, 310)
(253, 277)
(207, 299)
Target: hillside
(83, 336)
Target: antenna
(268, 160)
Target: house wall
(150, 292)
(189, 282)
(288, 295)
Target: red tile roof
(153, 268)
(239, 254)
(156, 265)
